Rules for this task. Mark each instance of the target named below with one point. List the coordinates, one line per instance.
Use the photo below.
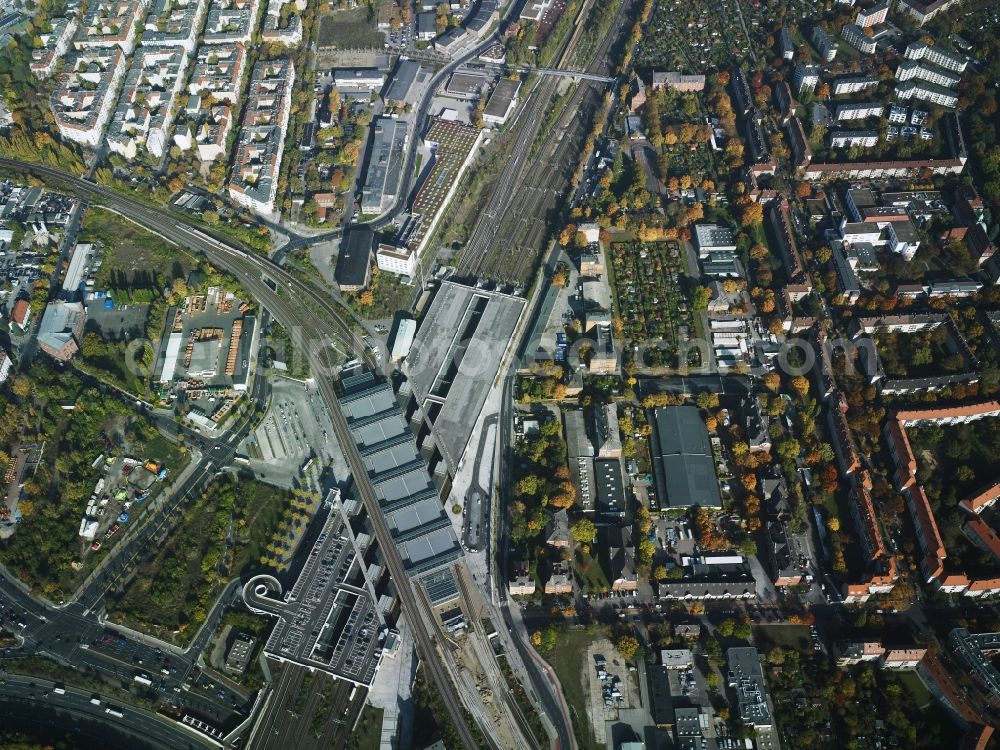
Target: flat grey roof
(682, 458)
(455, 356)
(400, 477)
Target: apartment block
(230, 20)
(873, 15)
(290, 34)
(858, 111)
(253, 181)
(849, 138)
(853, 84)
(218, 70)
(823, 43)
(111, 23)
(55, 43)
(173, 23)
(85, 93)
(147, 101)
(926, 92)
(805, 77)
(215, 84)
(857, 38)
(785, 44)
(936, 56)
(921, 71)
(922, 12)
(204, 127)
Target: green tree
(583, 530)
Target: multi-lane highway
(313, 321)
(28, 700)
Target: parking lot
(612, 685)
(297, 427)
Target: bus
(114, 712)
(143, 680)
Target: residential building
(55, 43)
(218, 70)
(291, 33)
(922, 12)
(111, 23)
(205, 127)
(560, 579)
(801, 152)
(173, 23)
(805, 77)
(215, 84)
(855, 652)
(746, 678)
(230, 21)
(20, 314)
(927, 92)
(385, 165)
(899, 659)
(849, 138)
(920, 50)
(147, 101)
(398, 260)
(253, 181)
(621, 559)
(521, 583)
(853, 84)
(742, 98)
(823, 43)
(858, 39)
(860, 111)
(678, 81)
(921, 71)
(61, 329)
(883, 169)
(778, 216)
(876, 14)
(85, 93)
(785, 45)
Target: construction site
(206, 353)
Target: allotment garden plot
(650, 299)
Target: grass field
(915, 687)
(788, 636)
(349, 29)
(565, 659)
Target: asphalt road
(32, 700)
(313, 322)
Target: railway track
(496, 677)
(507, 240)
(295, 307)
